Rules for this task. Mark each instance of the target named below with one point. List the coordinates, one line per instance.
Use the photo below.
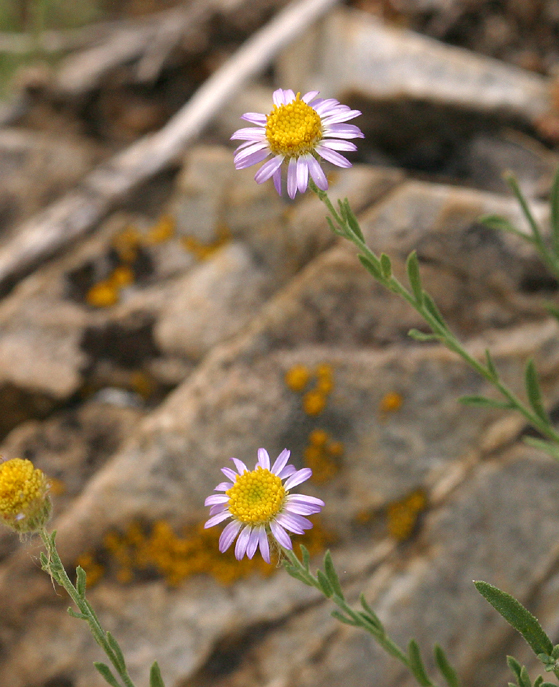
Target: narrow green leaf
(484, 402)
(325, 585)
(416, 664)
(518, 616)
(433, 309)
(524, 679)
(119, 656)
(343, 619)
(555, 652)
(44, 560)
(332, 575)
(554, 203)
(422, 336)
(515, 188)
(371, 267)
(548, 447)
(552, 310)
(538, 681)
(373, 617)
(80, 580)
(305, 556)
(74, 614)
(533, 390)
(335, 229)
(547, 684)
(297, 575)
(412, 267)
(447, 671)
(352, 221)
(491, 365)
(385, 265)
(502, 224)
(514, 665)
(106, 674)
(155, 679)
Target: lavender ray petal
(344, 116)
(241, 467)
(276, 176)
(230, 474)
(286, 472)
(220, 517)
(301, 508)
(223, 486)
(292, 178)
(254, 159)
(267, 170)
(263, 543)
(218, 508)
(334, 144)
(252, 542)
(263, 458)
(310, 96)
(216, 498)
(343, 131)
(302, 174)
(303, 498)
(296, 523)
(280, 461)
(280, 535)
(333, 157)
(297, 478)
(249, 134)
(277, 97)
(228, 535)
(317, 174)
(249, 150)
(254, 118)
(242, 541)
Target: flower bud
(25, 505)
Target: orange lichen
(121, 276)
(202, 251)
(104, 294)
(161, 231)
(142, 383)
(314, 402)
(297, 377)
(57, 486)
(323, 456)
(402, 515)
(157, 549)
(126, 244)
(391, 402)
(93, 569)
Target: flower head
(259, 503)
(297, 130)
(24, 501)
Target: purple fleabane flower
(260, 505)
(297, 131)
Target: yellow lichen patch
(159, 550)
(121, 276)
(297, 377)
(323, 456)
(391, 402)
(104, 294)
(161, 231)
(126, 244)
(56, 486)
(142, 383)
(402, 515)
(314, 402)
(203, 251)
(93, 570)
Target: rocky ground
(206, 317)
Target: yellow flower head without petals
(24, 501)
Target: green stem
(442, 332)
(53, 565)
(358, 619)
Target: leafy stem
(328, 583)
(344, 223)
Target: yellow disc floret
(294, 129)
(256, 497)
(24, 501)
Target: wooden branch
(76, 213)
